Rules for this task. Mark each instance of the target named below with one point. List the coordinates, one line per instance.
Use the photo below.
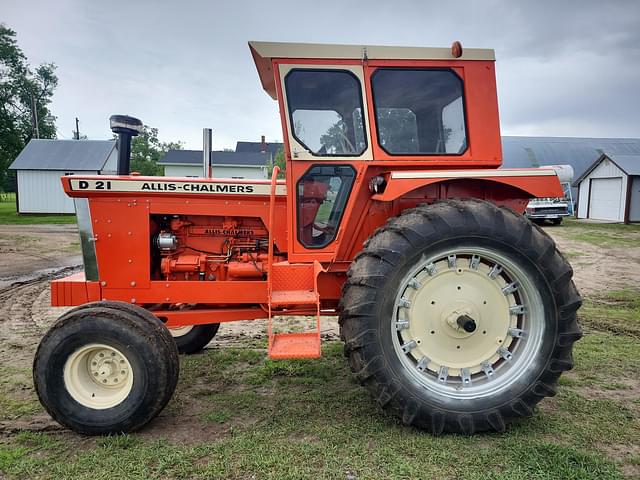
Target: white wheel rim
(485, 286)
(181, 331)
(98, 376)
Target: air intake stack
(125, 127)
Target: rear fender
(510, 187)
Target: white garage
(609, 190)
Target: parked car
(554, 209)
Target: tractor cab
(372, 103)
(355, 112)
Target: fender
(532, 182)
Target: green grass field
(238, 415)
(9, 216)
(248, 417)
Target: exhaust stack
(125, 127)
(207, 171)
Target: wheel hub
(98, 376)
(458, 319)
(108, 367)
(452, 312)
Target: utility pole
(77, 132)
(34, 116)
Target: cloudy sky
(565, 68)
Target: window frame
(297, 203)
(418, 68)
(293, 149)
(362, 109)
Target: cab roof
(264, 52)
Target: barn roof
(580, 153)
(194, 157)
(629, 164)
(46, 154)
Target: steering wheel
(330, 229)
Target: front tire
(193, 338)
(459, 316)
(105, 369)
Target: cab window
(325, 111)
(419, 111)
(322, 195)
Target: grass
(9, 216)
(257, 418)
(616, 311)
(602, 234)
(238, 415)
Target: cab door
(327, 143)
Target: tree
(278, 159)
(25, 94)
(146, 150)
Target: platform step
(295, 345)
(293, 276)
(293, 297)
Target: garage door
(606, 198)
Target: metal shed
(610, 189)
(42, 162)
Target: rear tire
(105, 368)
(194, 338)
(421, 278)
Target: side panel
(40, 191)
(634, 201)
(121, 230)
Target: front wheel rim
(467, 322)
(98, 376)
(180, 331)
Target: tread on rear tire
(404, 384)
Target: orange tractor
(457, 313)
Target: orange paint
(232, 236)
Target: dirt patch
(41, 422)
(29, 250)
(625, 390)
(597, 268)
(625, 453)
(234, 334)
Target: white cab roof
(264, 52)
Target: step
(293, 276)
(294, 297)
(295, 345)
